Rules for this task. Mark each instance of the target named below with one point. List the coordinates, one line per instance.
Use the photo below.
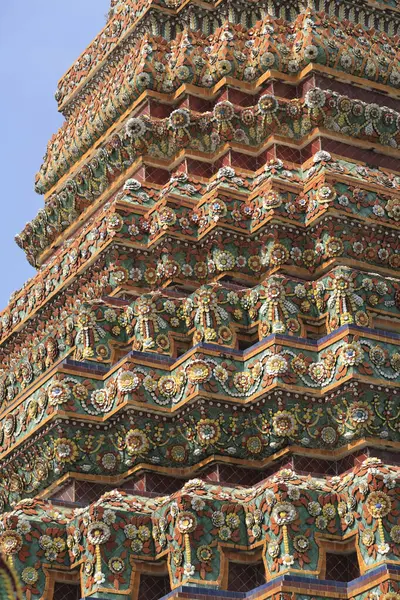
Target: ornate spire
(204, 374)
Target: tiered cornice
(243, 205)
(290, 521)
(335, 373)
(161, 321)
(209, 136)
(218, 297)
(168, 21)
(231, 55)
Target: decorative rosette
(98, 533)
(379, 505)
(186, 523)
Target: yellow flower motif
(378, 504)
(299, 365)
(393, 208)
(243, 381)
(29, 575)
(204, 553)
(352, 354)
(276, 365)
(329, 511)
(128, 381)
(58, 392)
(10, 542)
(198, 372)
(368, 537)
(168, 385)
(209, 334)
(325, 194)
(279, 254)
(65, 450)
(208, 431)
(284, 423)
(186, 522)
(136, 442)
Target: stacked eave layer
(217, 289)
(289, 521)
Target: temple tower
(200, 386)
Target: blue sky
(39, 40)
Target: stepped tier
(275, 202)
(241, 575)
(121, 267)
(135, 21)
(249, 200)
(249, 130)
(168, 322)
(117, 267)
(287, 522)
(297, 368)
(217, 297)
(251, 59)
(252, 429)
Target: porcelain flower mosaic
(199, 388)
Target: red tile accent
(288, 154)
(240, 98)
(200, 168)
(160, 111)
(342, 567)
(244, 578)
(360, 155)
(200, 104)
(87, 492)
(284, 90)
(155, 175)
(244, 161)
(310, 150)
(153, 587)
(353, 91)
(66, 493)
(161, 484)
(66, 591)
